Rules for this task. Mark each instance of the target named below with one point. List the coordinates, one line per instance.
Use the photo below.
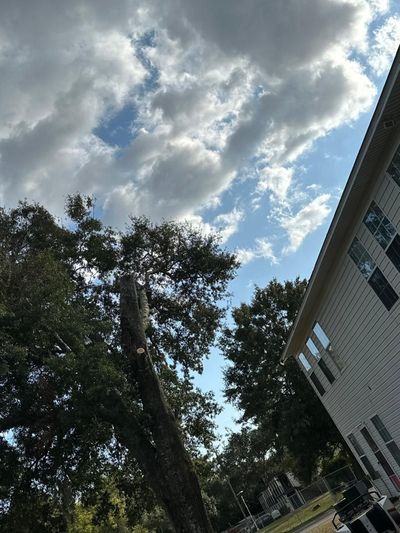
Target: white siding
(366, 337)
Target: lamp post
(236, 497)
(247, 508)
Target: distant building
(282, 492)
(347, 335)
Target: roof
(362, 178)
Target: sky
(242, 116)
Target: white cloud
(231, 80)
(380, 7)
(228, 223)
(225, 224)
(386, 42)
(262, 250)
(277, 180)
(305, 221)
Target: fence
(333, 482)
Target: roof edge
(353, 179)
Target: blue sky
(242, 116)
(331, 161)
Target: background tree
(70, 398)
(239, 466)
(275, 397)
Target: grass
(305, 514)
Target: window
(313, 349)
(361, 257)
(363, 458)
(328, 374)
(375, 278)
(393, 252)
(303, 360)
(381, 458)
(321, 335)
(370, 441)
(317, 384)
(383, 289)
(394, 168)
(379, 225)
(387, 438)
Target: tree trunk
(162, 457)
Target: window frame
(388, 440)
(382, 229)
(394, 162)
(393, 251)
(317, 326)
(326, 371)
(361, 258)
(387, 295)
(374, 474)
(380, 457)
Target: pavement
(319, 521)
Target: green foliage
(291, 423)
(64, 383)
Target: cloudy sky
(239, 115)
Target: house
(282, 493)
(346, 338)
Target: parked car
(276, 514)
(263, 519)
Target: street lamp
(236, 497)
(247, 508)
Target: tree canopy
(70, 398)
(275, 397)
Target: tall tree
(73, 394)
(275, 396)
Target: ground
(304, 519)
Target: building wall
(365, 337)
(275, 497)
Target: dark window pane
(366, 265)
(317, 384)
(356, 250)
(384, 463)
(384, 433)
(384, 235)
(326, 371)
(373, 218)
(356, 445)
(370, 441)
(369, 467)
(394, 450)
(383, 289)
(389, 297)
(378, 281)
(393, 252)
(361, 258)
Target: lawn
(305, 514)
